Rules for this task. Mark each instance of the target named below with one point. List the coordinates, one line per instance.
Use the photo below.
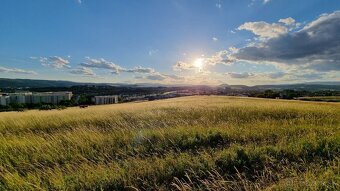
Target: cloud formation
(114, 68)
(275, 75)
(240, 75)
(53, 61)
(140, 69)
(316, 46)
(102, 63)
(82, 71)
(16, 71)
(309, 53)
(263, 29)
(287, 21)
(221, 57)
(156, 76)
(181, 66)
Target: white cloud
(79, 1)
(240, 75)
(266, 1)
(311, 53)
(114, 68)
(59, 62)
(315, 47)
(181, 66)
(83, 71)
(263, 29)
(221, 57)
(252, 2)
(102, 63)
(215, 39)
(140, 69)
(287, 21)
(53, 61)
(16, 71)
(156, 76)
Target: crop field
(188, 143)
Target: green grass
(189, 143)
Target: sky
(206, 42)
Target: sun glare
(199, 63)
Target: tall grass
(191, 143)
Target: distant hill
(24, 83)
(315, 86)
(305, 86)
(32, 83)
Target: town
(67, 98)
(45, 98)
(34, 98)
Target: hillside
(188, 143)
(32, 83)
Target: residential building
(35, 98)
(19, 97)
(4, 100)
(50, 97)
(109, 99)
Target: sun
(199, 63)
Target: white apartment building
(110, 99)
(19, 97)
(34, 98)
(50, 97)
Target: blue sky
(171, 41)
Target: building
(20, 98)
(35, 98)
(50, 97)
(4, 100)
(110, 99)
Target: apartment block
(110, 99)
(34, 97)
(4, 100)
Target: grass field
(189, 143)
(321, 98)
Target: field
(189, 143)
(321, 98)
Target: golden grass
(188, 143)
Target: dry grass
(189, 143)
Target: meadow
(321, 98)
(188, 143)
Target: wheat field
(188, 143)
